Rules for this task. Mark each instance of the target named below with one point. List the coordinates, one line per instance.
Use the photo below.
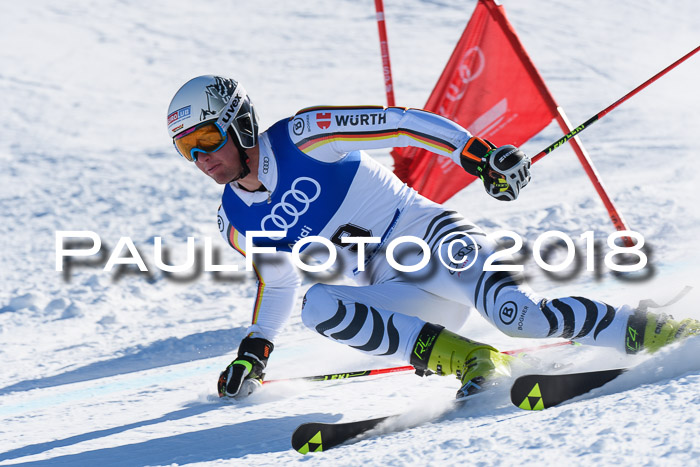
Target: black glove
(245, 374)
(504, 171)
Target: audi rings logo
(293, 204)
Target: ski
(317, 437)
(538, 392)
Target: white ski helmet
(214, 98)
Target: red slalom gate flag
(491, 88)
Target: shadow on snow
(157, 354)
(224, 442)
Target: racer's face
(224, 165)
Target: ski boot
(440, 351)
(651, 331)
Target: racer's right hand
(245, 374)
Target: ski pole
(398, 369)
(601, 114)
(538, 347)
(346, 375)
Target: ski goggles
(205, 137)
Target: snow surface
(106, 370)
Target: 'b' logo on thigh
(508, 312)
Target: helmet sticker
(217, 94)
(179, 114)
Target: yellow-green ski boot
(651, 331)
(440, 351)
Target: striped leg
(500, 297)
(348, 315)
(587, 321)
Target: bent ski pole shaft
(346, 375)
(398, 369)
(538, 347)
(602, 113)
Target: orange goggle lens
(208, 137)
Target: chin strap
(242, 154)
(244, 163)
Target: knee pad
(317, 306)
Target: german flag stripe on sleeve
(258, 297)
(331, 107)
(309, 144)
(233, 238)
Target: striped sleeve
(277, 283)
(328, 133)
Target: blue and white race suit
(319, 182)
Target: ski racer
(307, 175)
